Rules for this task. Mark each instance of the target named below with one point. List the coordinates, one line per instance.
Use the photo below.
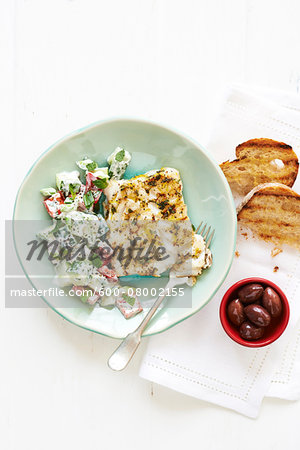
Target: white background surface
(65, 64)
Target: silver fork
(123, 354)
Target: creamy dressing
(117, 166)
(65, 179)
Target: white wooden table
(66, 63)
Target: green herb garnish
(88, 199)
(120, 155)
(74, 266)
(100, 183)
(91, 166)
(73, 190)
(58, 225)
(129, 300)
(163, 204)
(96, 261)
(84, 298)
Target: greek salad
(76, 241)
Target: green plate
(152, 146)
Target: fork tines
(207, 234)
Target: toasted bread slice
(272, 212)
(261, 161)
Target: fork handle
(123, 354)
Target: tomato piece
(108, 273)
(88, 183)
(128, 310)
(52, 204)
(79, 291)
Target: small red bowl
(272, 332)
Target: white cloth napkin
(196, 357)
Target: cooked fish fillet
(150, 209)
(152, 196)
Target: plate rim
(199, 147)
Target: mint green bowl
(152, 146)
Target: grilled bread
(272, 212)
(261, 161)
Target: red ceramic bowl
(277, 325)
